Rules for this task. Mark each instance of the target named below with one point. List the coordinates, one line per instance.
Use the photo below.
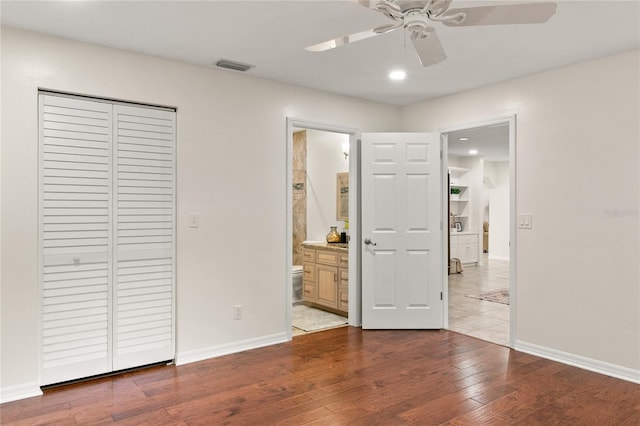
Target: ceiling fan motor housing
(432, 7)
(416, 23)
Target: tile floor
(478, 318)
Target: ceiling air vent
(233, 65)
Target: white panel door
(401, 230)
(144, 282)
(75, 237)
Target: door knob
(367, 241)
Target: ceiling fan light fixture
(417, 17)
(398, 75)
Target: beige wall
(498, 198)
(324, 161)
(577, 159)
(231, 169)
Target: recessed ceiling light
(473, 151)
(397, 75)
(463, 139)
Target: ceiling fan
(416, 17)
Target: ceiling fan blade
(351, 38)
(429, 49)
(367, 3)
(383, 29)
(370, 4)
(528, 13)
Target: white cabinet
(464, 247)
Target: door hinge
(440, 295)
(441, 154)
(441, 225)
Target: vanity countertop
(325, 245)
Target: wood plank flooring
(346, 376)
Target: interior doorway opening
(322, 192)
(480, 163)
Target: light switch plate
(194, 220)
(525, 221)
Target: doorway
(480, 167)
(319, 291)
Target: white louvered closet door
(107, 210)
(75, 237)
(144, 251)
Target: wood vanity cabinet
(326, 278)
(309, 275)
(327, 285)
(343, 282)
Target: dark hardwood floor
(345, 376)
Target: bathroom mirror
(342, 196)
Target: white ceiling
(491, 142)
(272, 35)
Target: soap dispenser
(344, 235)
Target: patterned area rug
(498, 296)
(310, 319)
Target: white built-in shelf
(459, 203)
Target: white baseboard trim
(14, 393)
(229, 348)
(585, 363)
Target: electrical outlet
(237, 312)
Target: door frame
(510, 120)
(355, 285)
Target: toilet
(296, 273)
